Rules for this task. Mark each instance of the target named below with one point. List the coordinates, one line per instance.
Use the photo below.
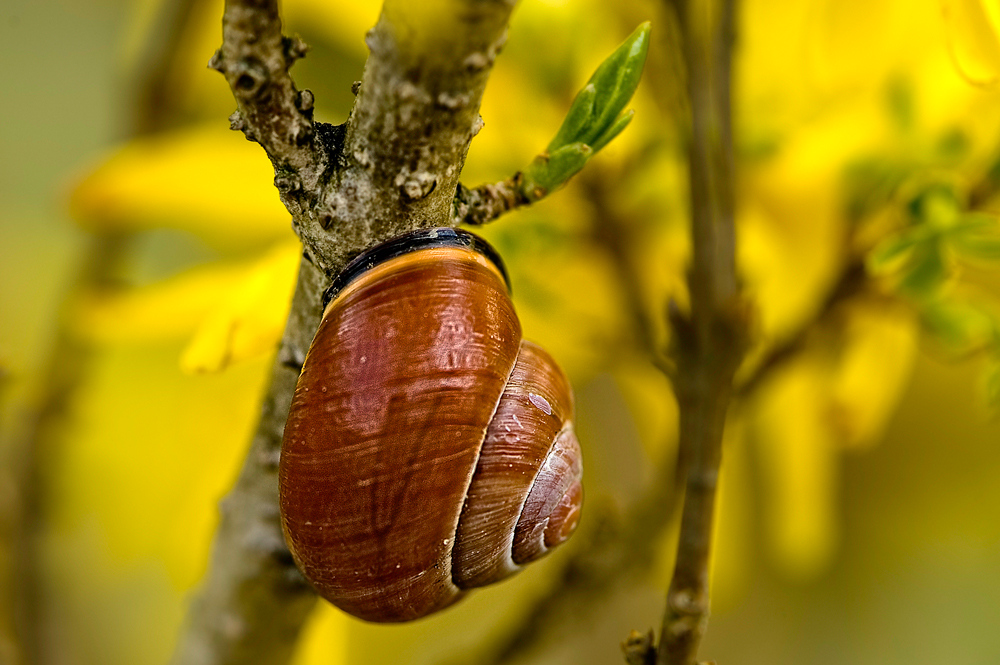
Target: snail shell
(428, 449)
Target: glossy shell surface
(427, 449)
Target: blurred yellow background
(860, 517)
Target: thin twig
(486, 203)
(255, 58)
(156, 100)
(391, 168)
(709, 343)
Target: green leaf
(580, 114)
(871, 183)
(937, 205)
(593, 120)
(977, 237)
(549, 171)
(962, 327)
(891, 249)
(978, 221)
(953, 145)
(982, 248)
(620, 124)
(926, 270)
(593, 114)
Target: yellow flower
(821, 87)
(974, 39)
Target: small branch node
(452, 102)
(237, 122)
(687, 603)
(363, 159)
(301, 134)
(294, 49)
(216, 62)
(639, 648)
(287, 184)
(248, 78)
(477, 61)
(416, 186)
(306, 102)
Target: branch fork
(392, 167)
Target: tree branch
(709, 343)
(391, 168)
(488, 202)
(416, 112)
(255, 58)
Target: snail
(428, 449)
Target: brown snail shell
(428, 449)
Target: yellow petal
(856, 43)
(141, 425)
(791, 223)
(734, 520)
(250, 320)
(872, 373)
(773, 82)
(207, 180)
(799, 469)
(324, 637)
(974, 39)
(652, 405)
(165, 310)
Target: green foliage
(937, 205)
(926, 270)
(923, 261)
(549, 170)
(870, 184)
(961, 327)
(938, 234)
(593, 120)
(977, 238)
(894, 249)
(597, 108)
(953, 145)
